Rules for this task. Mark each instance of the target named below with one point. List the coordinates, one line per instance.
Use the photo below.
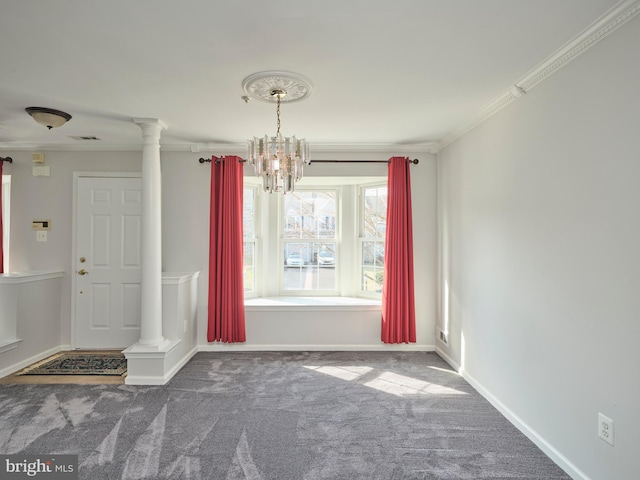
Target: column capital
(141, 121)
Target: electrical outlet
(605, 428)
(443, 337)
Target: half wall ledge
(156, 365)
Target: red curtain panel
(226, 286)
(398, 304)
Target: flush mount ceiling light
(278, 160)
(48, 116)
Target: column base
(154, 364)
(155, 347)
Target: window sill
(311, 303)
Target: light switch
(41, 236)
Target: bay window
(324, 239)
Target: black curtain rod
(6, 159)
(415, 161)
(216, 159)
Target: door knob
(82, 271)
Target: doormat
(80, 363)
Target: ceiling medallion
(260, 85)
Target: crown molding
(613, 19)
(396, 148)
(76, 147)
(120, 147)
(217, 148)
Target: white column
(151, 237)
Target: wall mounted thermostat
(41, 225)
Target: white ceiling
(385, 73)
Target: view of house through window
(374, 224)
(309, 237)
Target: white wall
(185, 184)
(51, 198)
(539, 238)
(185, 248)
(36, 324)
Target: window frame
(6, 218)
(361, 238)
(255, 240)
(269, 224)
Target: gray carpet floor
(277, 416)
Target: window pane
(249, 234)
(310, 215)
(309, 277)
(373, 253)
(381, 200)
(372, 279)
(248, 269)
(326, 226)
(297, 254)
(309, 266)
(375, 212)
(6, 217)
(326, 255)
(248, 213)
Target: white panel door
(107, 287)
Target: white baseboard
(145, 380)
(549, 450)
(35, 358)
(449, 360)
(181, 363)
(562, 461)
(160, 379)
(241, 347)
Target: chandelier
(278, 160)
